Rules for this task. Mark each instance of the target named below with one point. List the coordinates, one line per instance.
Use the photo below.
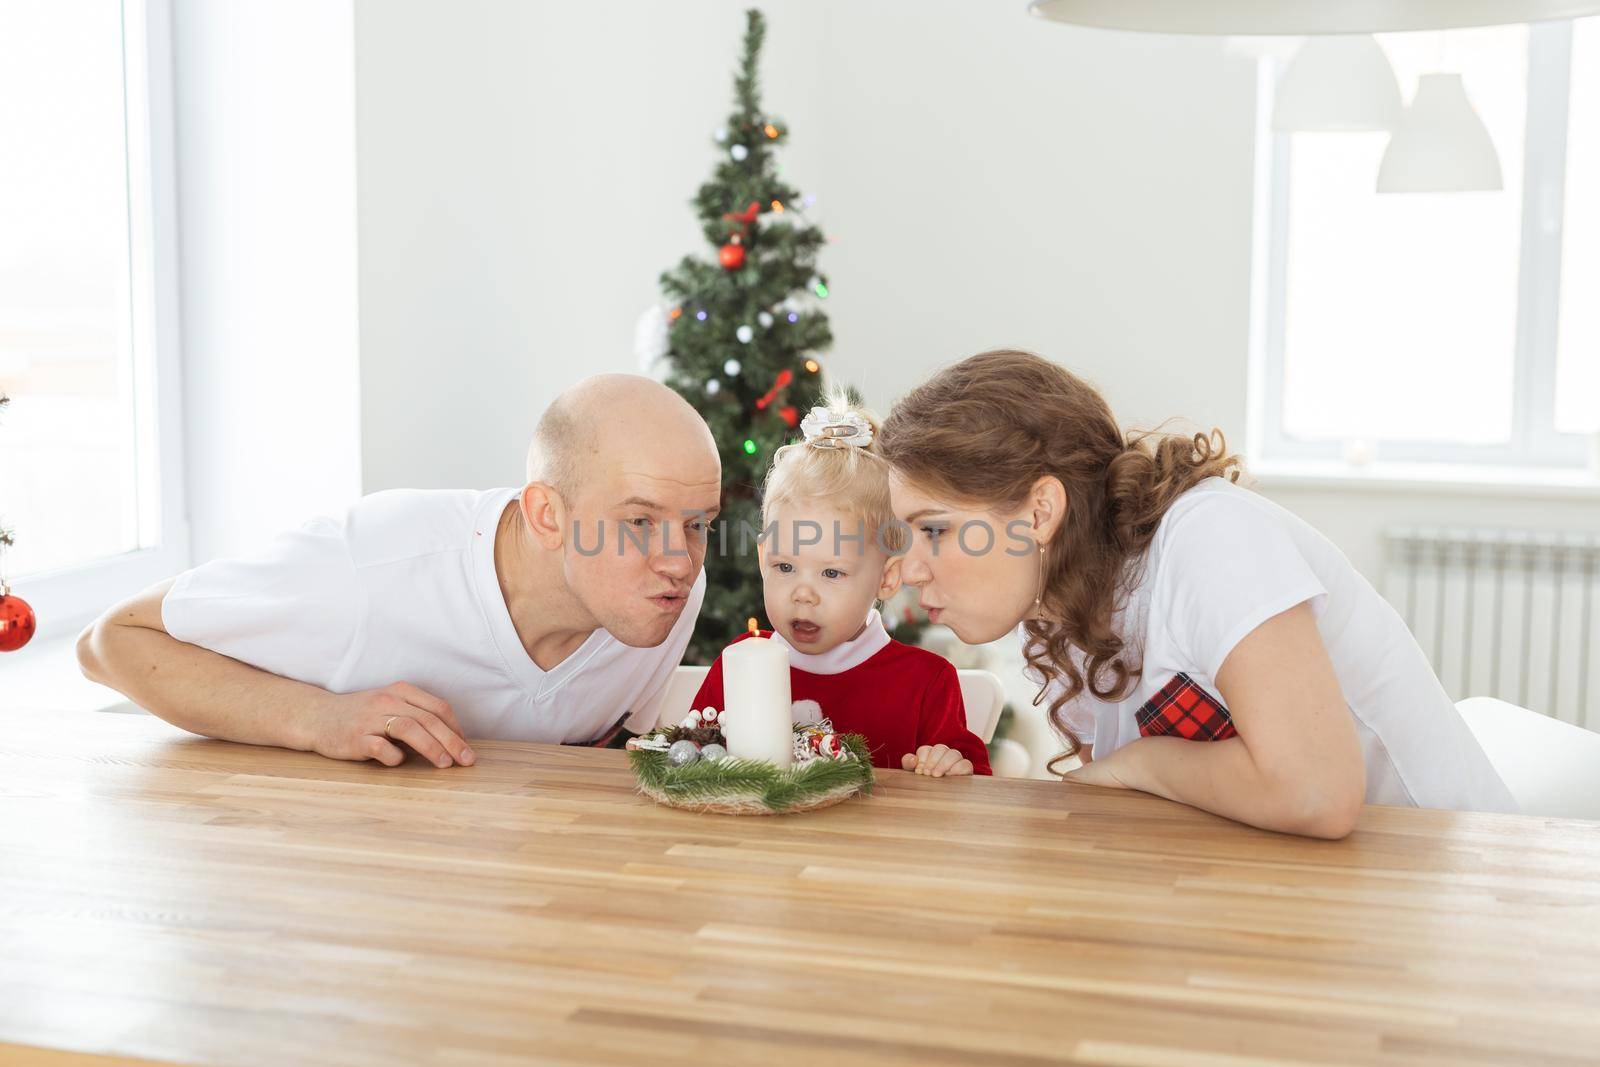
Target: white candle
(755, 688)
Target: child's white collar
(852, 653)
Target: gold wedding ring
(388, 723)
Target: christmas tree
(742, 336)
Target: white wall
(525, 171)
(265, 152)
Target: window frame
(1534, 442)
(67, 598)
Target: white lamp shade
(1281, 49)
(1297, 17)
(1338, 85)
(1440, 145)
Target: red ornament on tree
(789, 415)
(731, 256)
(779, 384)
(17, 621)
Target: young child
(828, 556)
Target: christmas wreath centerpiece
(688, 766)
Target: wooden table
(175, 899)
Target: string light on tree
(739, 153)
(745, 334)
(732, 368)
(765, 319)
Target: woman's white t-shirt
(1223, 561)
(405, 590)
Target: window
(89, 474)
(1578, 339)
(1447, 327)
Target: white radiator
(1503, 613)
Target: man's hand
(936, 761)
(374, 724)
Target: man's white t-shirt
(405, 590)
(1223, 561)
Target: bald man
(547, 613)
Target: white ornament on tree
(713, 387)
(739, 153)
(720, 133)
(650, 343)
(732, 368)
(765, 319)
(745, 334)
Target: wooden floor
(171, 899)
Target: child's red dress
(895, 695)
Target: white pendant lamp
(1440, 144)
(1244, 18)
(1338, 85)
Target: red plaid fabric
(1183, 709)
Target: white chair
(673, 704)
(1551, 767)
(984, 696)
(981, 692)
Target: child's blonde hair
(851, 477)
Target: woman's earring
(1038, 601)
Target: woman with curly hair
(1193, 639)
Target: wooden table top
(167, 898)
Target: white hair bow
(831, 429)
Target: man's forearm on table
(197, 689)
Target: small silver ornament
(713, 752)
(745, 334)
(732, 368)
(739, 153)
(765, 319)
(682, 753)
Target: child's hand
(936, 761)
